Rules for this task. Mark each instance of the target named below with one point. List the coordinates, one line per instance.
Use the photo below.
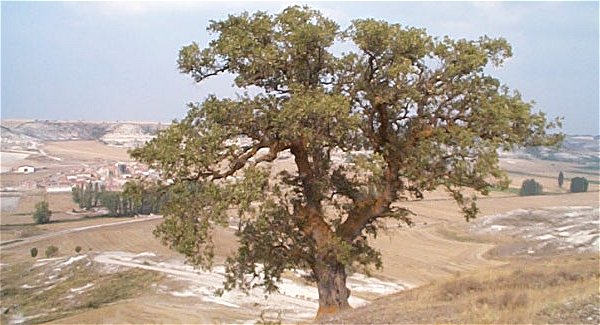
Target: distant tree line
(531, 187)
(136, 198)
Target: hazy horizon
(108, 61)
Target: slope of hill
(57, 131)
(23, 134)
(13, 140)
(575, 148)
(129, 135)
(550, 276)
(550, 290)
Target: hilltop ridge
(27, 134)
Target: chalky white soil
(296, 299)
(546, 230)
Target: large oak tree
(408, 112)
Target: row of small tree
(51, 251)
(531, 187)
(136, 198)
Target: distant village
(112, 176)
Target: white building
(59, 189)
(25, 169)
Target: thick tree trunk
(329, 272)
(333, 293)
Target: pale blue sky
(117, 60)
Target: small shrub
(51, 251)
(77, 249)
(509, 300)
(33, 252)
(579, 184)
(454, 289)
(561, 179)
(266, 321)
(531, 187)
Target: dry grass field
(18, 222)
(440, 245)
(457, 278)
(558, 290)
(546, 173)
(135, 237)
(85, 150)
(59, 203)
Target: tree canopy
(406, 112)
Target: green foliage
(136, 198)
(33, 251)
(144, 198)
(77, 249)
(531, 187)
(425, 107)
(51, 251)
(579, 184)
(42, 213)
(112, 201)
(561, 179)
(87, 195)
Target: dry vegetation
(549, 290)
(50, 291)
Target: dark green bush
(42, 213)
(579, 184)
(51, 251)
(33, 252)
(530, 187)
(77, 249)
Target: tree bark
(330, 273)
(333, 293)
